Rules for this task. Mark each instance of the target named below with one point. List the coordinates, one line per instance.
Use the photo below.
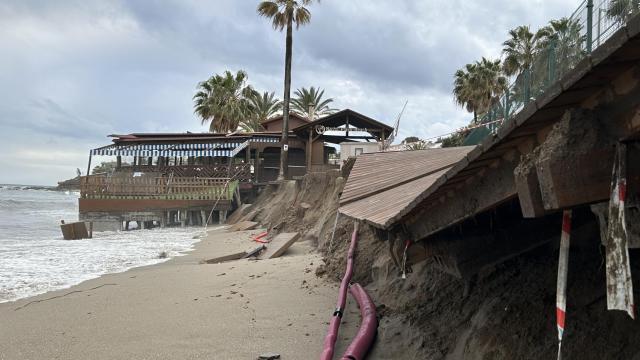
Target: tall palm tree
(305, 98)
(464, 92)
(622, 10)
(567, 40)
(479, 86)
(223, 101)
(491, 83)
(283, 14)
(262, 107)
(520, 49)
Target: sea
(35, 259)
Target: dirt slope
(510, 314)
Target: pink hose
(332, 333)
(360, 345)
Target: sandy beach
(182, 309)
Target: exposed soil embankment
(309, 206)
(509, 314)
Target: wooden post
(347, 126)
(256, 165)
(309, 150)
(88, 168)
(118, 162)
(203, 217)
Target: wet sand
(182, 309)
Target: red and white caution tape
(563, 271)
(618, 274)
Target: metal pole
(589, 25)
(527, 85)
(506, 106)
(599, 21)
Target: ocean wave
(28, 204)
(34, 267)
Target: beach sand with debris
(183, 309)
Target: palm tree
(464, 93)
(283, 13)
(622, 10)
(520, 49)
(223, 101)
(490, 82)
(566, 38)
(312, 97)
(262, 107)
(479, 86)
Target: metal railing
(591, 24)
(158, 188)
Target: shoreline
(183, 309)
(196, 236)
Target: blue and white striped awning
(167, 150)
(216, 149)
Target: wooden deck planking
(279, 245)
(376, 171)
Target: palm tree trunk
(284, 153)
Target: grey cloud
(80, 69)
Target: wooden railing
(162, 188)
(241, 172)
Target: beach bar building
(162, 179)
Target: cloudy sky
(73, 71)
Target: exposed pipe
(363, 340)
(332, 333)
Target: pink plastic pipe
(360, 345)
(332, 333)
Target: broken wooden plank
(230, 257)
(255, 251)
(279, 245)
(243, 225)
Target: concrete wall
(276, 125)
(348, 149)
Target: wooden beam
(576, 179)
(496, 186)
(528, 188)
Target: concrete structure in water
(191, 179)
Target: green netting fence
(591, 24)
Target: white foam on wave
(32, 268)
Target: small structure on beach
(164, 179)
